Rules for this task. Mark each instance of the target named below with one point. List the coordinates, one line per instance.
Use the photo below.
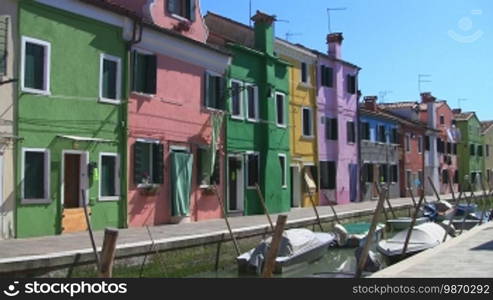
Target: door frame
(240, 188)
(84, 180)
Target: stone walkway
(23, 255)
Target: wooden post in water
(225, 213)
(389, 204)
(262, 201)
(332, 208)
(412, 196)
(434, 189)
(270, 262)
(410, 230)
(108, 253)
(315, 210)
(369, 239)
(89, 228)
(383, 206)
(468, 203)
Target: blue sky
(394, 41)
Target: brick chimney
(427, 97)
(264, 32)
(334, 40)
(457, 110)
(371, 103)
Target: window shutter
(158, 166)
(4, 29)
(139, 167)
(322, 75)
(328, 123)
(191, 12)
(172, 7)
(135, 71)
(151, 73)
(221, 98)
(206, 89)
(329, 77)
(334, 129)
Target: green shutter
(34, 66)
(108, 176)
(158, 163)
(151, 72)
(4, 29)
(203, 166)
(141, 157)
(34, 175)
(110, 69)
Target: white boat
(354, 235)
(405, 223)
(297, 246)
(423, 237)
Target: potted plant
(147, 187)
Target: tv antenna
(422, 78)
(459, 101)
(290, 34)
(328, 14)
(383, 94)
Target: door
(353, 182)
(295, 187)
(235, 183)
(181, 182)
(73, 217)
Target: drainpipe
(136, 38)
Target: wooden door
(73, 218)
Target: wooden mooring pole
(332, 208)
(412, 196)
(315, 210)
(410, 230)
(270, 263)
(369, 239)
(225, 213)
(379, 192)
(262, 202)
(434, 188)
(89, 228)
(108, 253)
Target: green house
(470, 150)
(71, 119)
(257, 129)
(487, 131)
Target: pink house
(176, 92)
(337, 122)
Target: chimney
(427, 97)
(264, 32)
(334, 40)
(457, 110)
(371, 103)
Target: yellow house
(302, 114)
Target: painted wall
(413, 160)
(488, 159)
(337, 103)
(471, 134)
(71, 109)
(8, 94)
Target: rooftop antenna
(328, 14)
(290, 34)
(459, 101)
(383, 95)
(421, 79)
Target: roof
(486, 125)
(398, 105)
(393, 117)
(465, 116)
(230, 30)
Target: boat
(405, 222)
(462, 209)
(423, 237)
(354, 235)
(467, 224)
(438, 211)
(297, 246)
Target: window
(110, 79)
(480, 150)
(421, 178)
(327, 175)
(488, 175)
(440, 146)
(35, 70)
(236, 100)
(283, 162)
(182, 8)
(214, 91)
(449, 148)
(472, 150)
(456, 176)
(253, 169)
(36, 176)
(365, 131)
(487, 150)
(307, 120)
(253, 106)
(427, 143)
(382, 134)
(351, 132)
(409, 182)
(368, 173)
(394, 136)
(109, 179)
(281, 110)
(445, 177)
(4, 31)
(394, 173)
(304, 72)
(351, 84)
(144, 72)
(205, 179)
(384, 173)
(331, 129)
(454, 149)
(148, 162)
(442, 120)
(326, 76)
(420, 144)
(407, 143)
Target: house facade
(470, 150)
(302, 113)
(8, 139)
(337, 125)
(257, 127)
(380, 156)
(487, 132)
(176, 108)
(70, 118)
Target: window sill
(281, 126)
(36, 92)
(305, 85)
(212, 109)
(109, 101)
(148, 186)
(141, 94)
(109, 199)
(253, 120)
(237, 118)
(180, 18)
(35, 201)
(308, 137)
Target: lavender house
(337, 102)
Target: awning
(84, 139)
(310, 182)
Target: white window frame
(310, 110)
(284, 178)
(241, 116)
(248, 153)
(285, 125)
(118, 62)
(142, 52)
(117, 177)
(46, 199)
(256, 100)
(47, 65)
